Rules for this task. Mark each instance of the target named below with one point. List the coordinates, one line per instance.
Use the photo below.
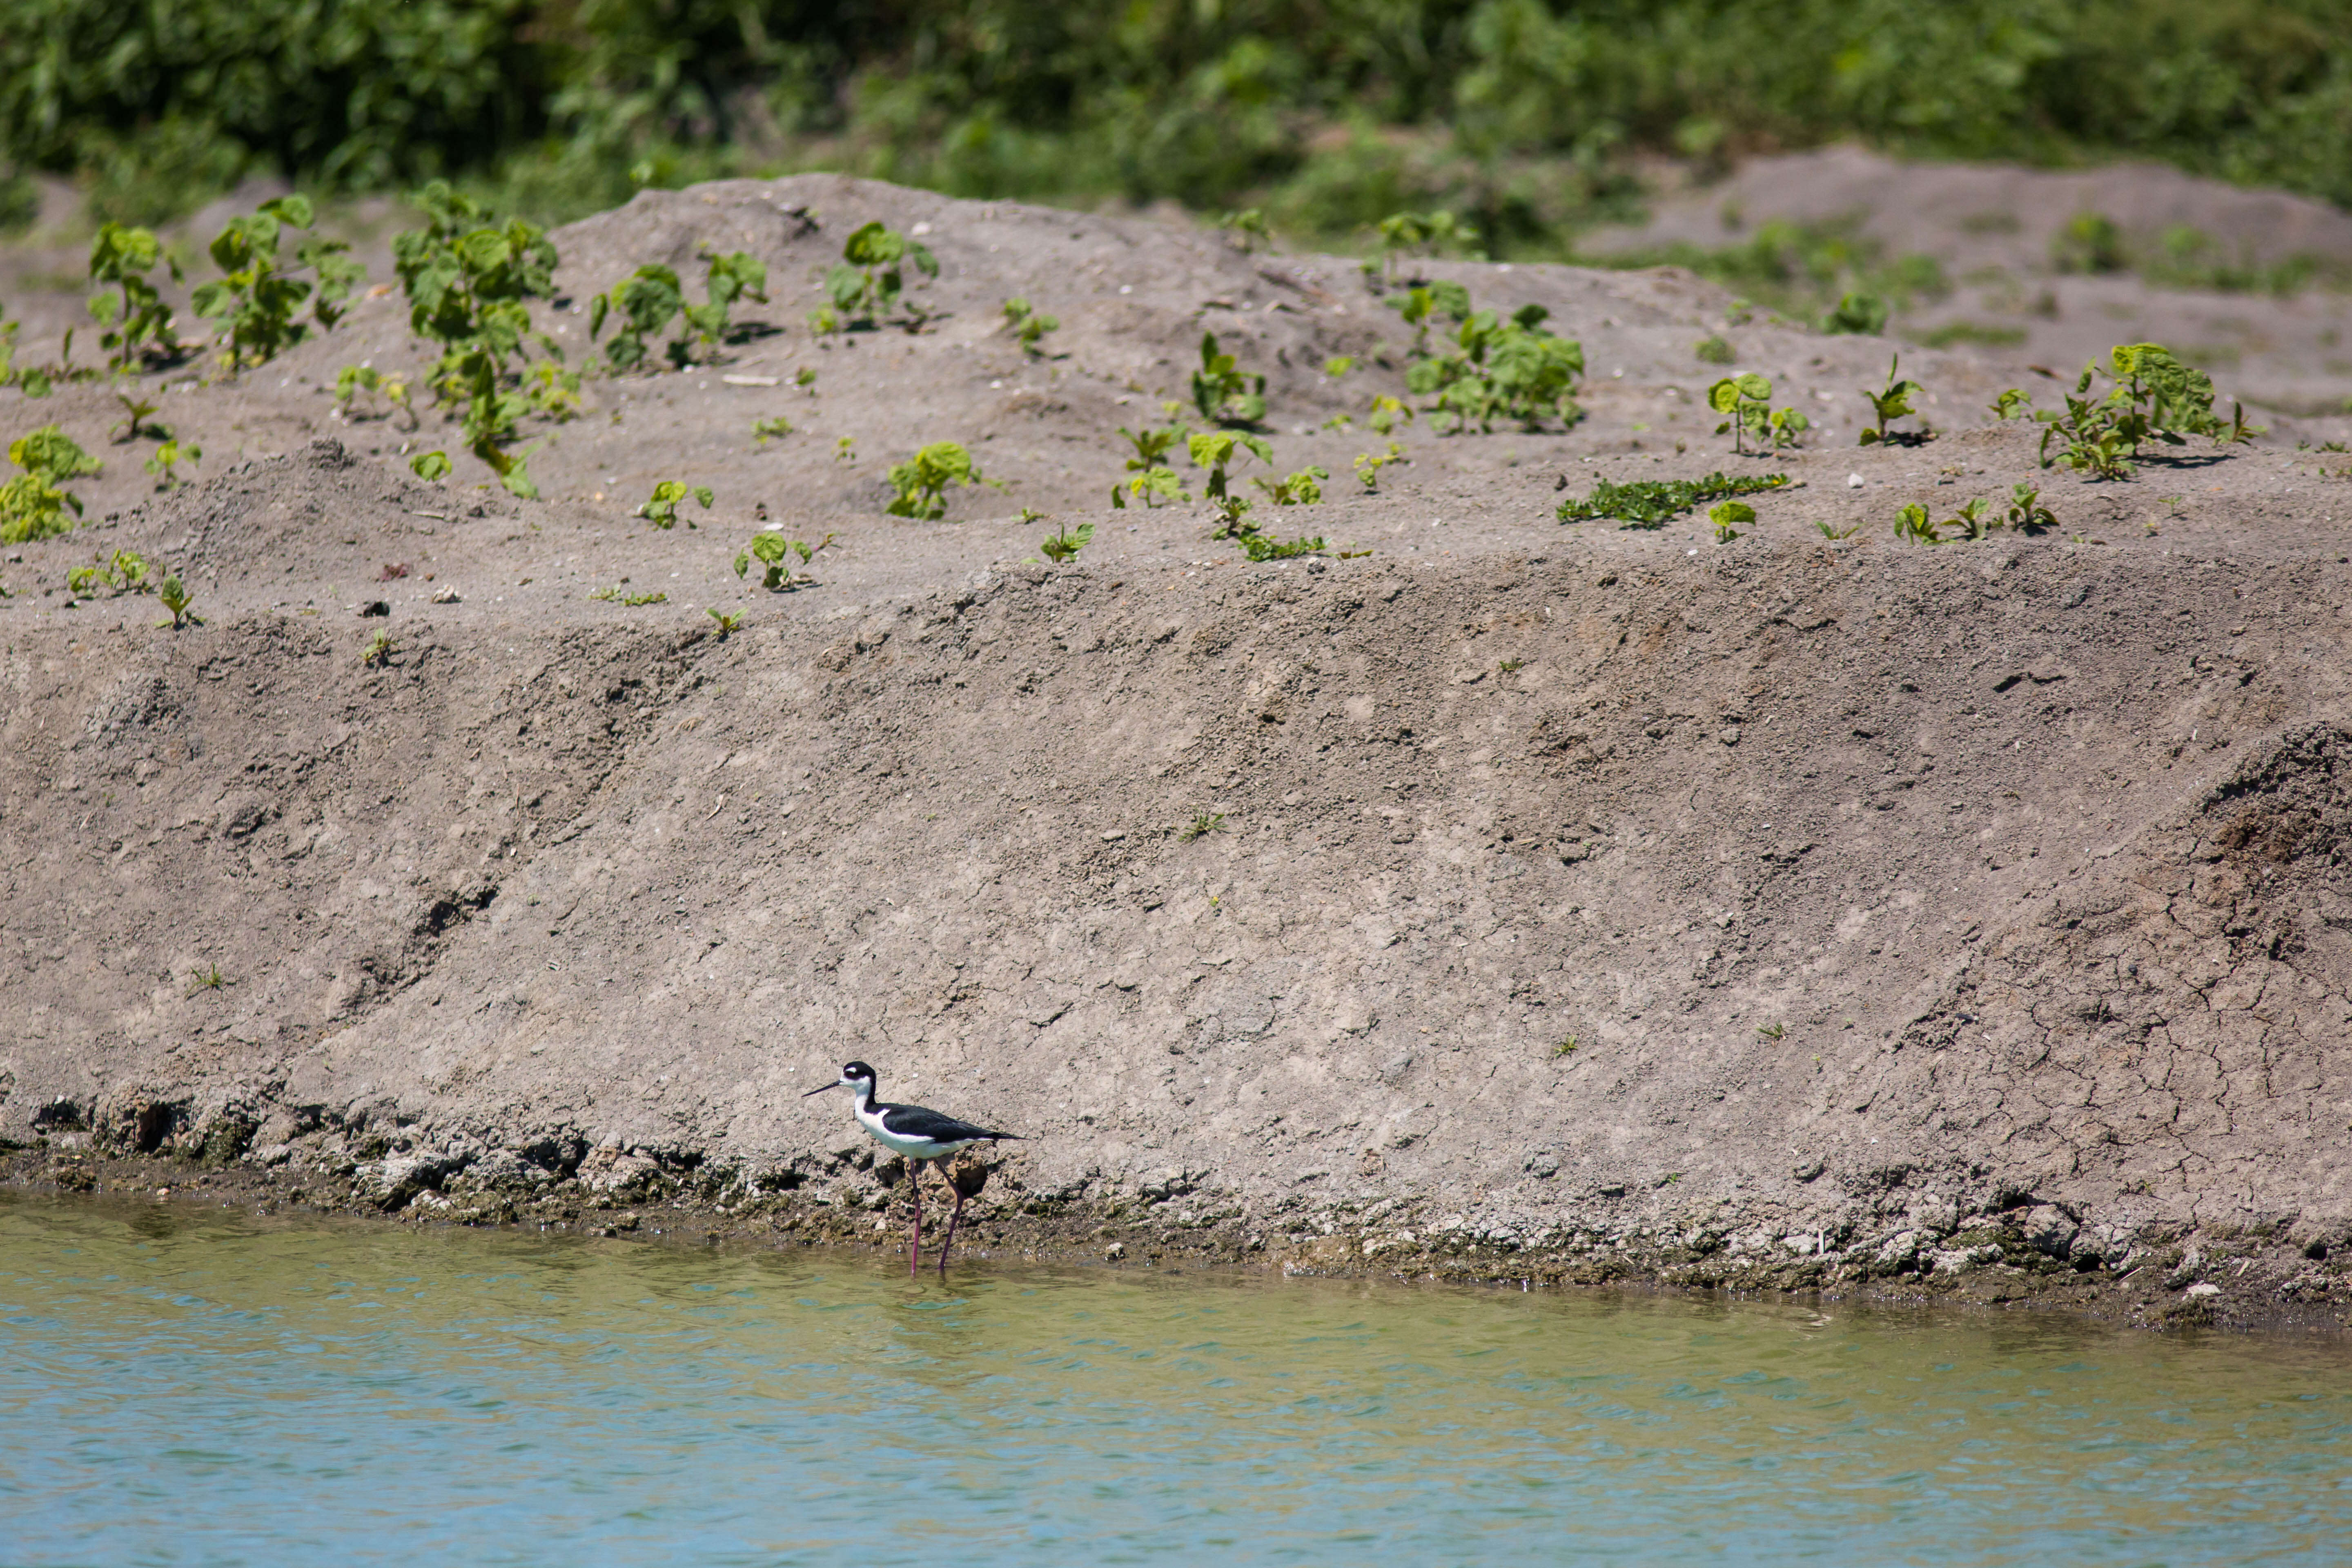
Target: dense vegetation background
(1328, 113)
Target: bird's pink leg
(915, 1181)
(953, 1219)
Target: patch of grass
(1955, 333)
(209, 978)
(1714, 350)
(1203, 824)
(1566, 1047)
(617, 595)
(1773, 1031)
(1652, 503)
(775, 427)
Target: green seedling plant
(138, 419)
(1422, 233)
(660, 509)
(124, 572)
(1203, 823)
(1892, 403)
(1862, 314)
(1424, 303)
(1714, 350)
(1501, 369)
(1156, 486)
(1975, 519)
(653, 297)
(775, 427)
(1247, 230)
(1233, 523)
(1216, 451)
(136, 324)
(256, 304)
(1028, 326)
(1776, 1033)
(919, 485)
(1745, 402)
(1725, 515)
(616, 594)
(168, 457)
(430, 466)
(1566, 1047)
(1223, 393)
(469, 280)
(209, 978)
(1388, 414)
(1062, 547)
(354, 382)
(728, 622)
(846, 449)
(173, 595)
(34, 383)
(2011, 404)
(1338, 365)
(379, 650)
(1304, 487)
(2155, 398)
(1153, 482)
(869, 284)
(1368, 466)
(1652, 503)
(1828, 531)
(775, 555)
(33, 502)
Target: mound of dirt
(1995, 232)
(1517, 900)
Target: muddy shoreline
(2259, 1282)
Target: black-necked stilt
(919, 1136)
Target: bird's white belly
(899, 1143)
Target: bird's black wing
(914, 1121)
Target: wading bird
(919, 1136)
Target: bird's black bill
(821, 1088)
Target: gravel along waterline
(185, 1387)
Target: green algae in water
(205, 1388)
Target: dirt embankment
(1567, 903)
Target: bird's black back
(914, 1121)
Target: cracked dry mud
(1969, 921)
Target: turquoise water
(181, 1386)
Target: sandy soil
(1962, 920)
